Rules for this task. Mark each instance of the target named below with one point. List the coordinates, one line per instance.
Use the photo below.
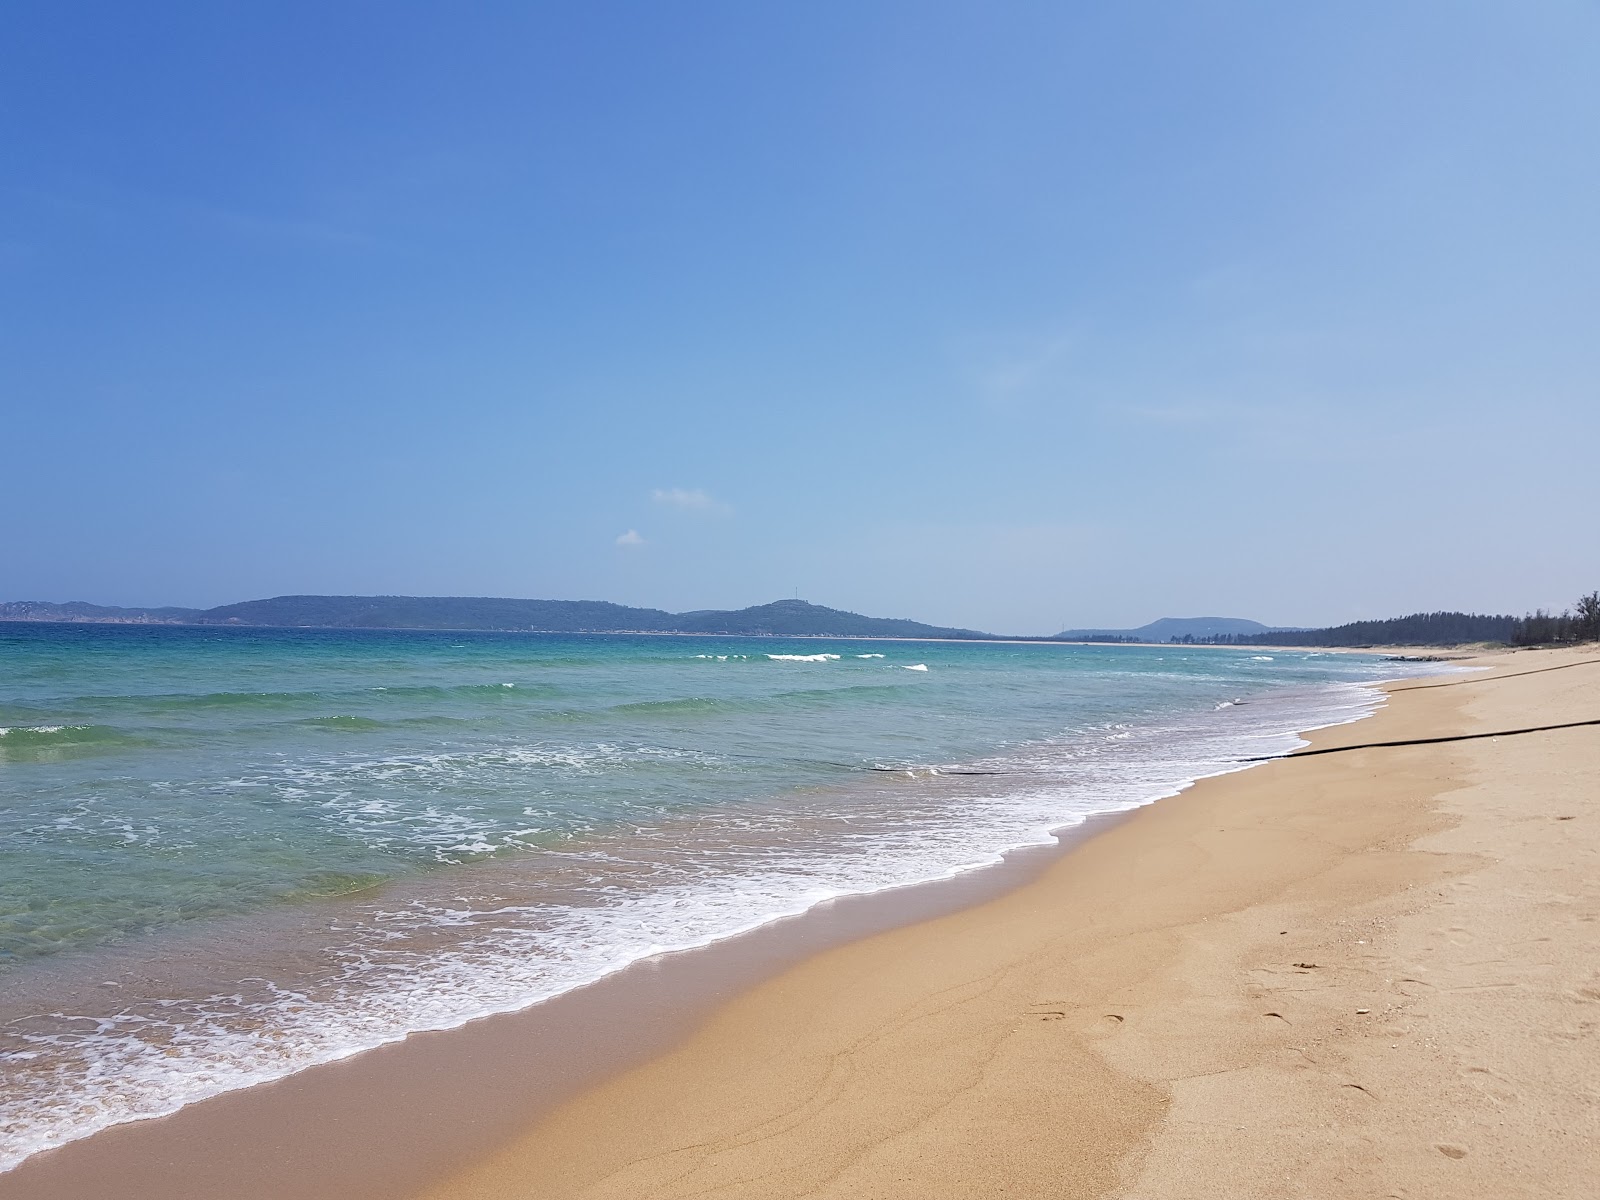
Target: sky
(1011, 316)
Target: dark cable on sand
(1588, 662)
(1458, 737)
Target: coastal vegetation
(1581, 624)
(1170, 629)
(1538, 628)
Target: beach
(757, 602)
(1371, 972)
(1359, 974)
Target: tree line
(1581, 624)
(1538, 628)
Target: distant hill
(789, 618)
(100, 614)
(1168, 628)
(800, 618)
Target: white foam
(918, 667)
(410, 816)
(803, 657)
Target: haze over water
(228, 854)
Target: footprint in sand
(1495, 1086)
(1048, 1010)
(1418, 987)
(1451, 1150)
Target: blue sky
(1015, 316)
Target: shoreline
(562, 1040)
(1346, 975)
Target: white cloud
(631, 538)
(689, 500)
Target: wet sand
(1172, 1007)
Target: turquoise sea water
(229, 854)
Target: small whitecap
(918, 667)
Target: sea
(229, 854)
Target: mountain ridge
(780, 618)
(785, 618)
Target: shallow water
(229, 854)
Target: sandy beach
(1366, 973)
(1373, 973)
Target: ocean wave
(805, 658)
(917, 667)
(344, 721)
(468, 690)
(43, 742)
(685, 704)
(24, 734)
(843, 692)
